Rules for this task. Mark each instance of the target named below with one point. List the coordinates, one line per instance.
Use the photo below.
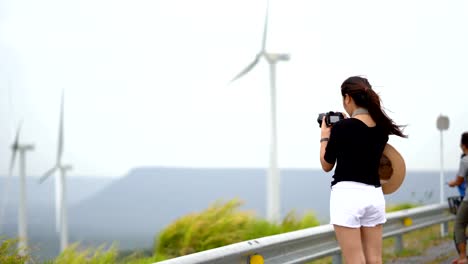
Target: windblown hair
(464, 139)
(364, 96)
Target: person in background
(356, 144)
(461, 220)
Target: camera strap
(359, 111)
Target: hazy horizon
(447, 172)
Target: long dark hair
(464, 139)
(361, 91)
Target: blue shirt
(463, 172)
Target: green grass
(398, 207)
(74, 255)
(9, 252)
(417, 242)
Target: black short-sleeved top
(357, 150)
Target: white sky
(146, 81)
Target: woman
(356, 144)
(461, 221)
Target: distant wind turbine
(22, 210)
(273, 182)
(60, 186)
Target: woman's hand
(325, 133)
(325, 130)
(456, 182)
(451, 183)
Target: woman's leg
(372, 244)
(461, 221)
(349, 240)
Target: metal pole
(22, 222)
(441, 167)
(443, 123)
(443, 226)
(57, 183)
(337, 259)
(399, 243)
(63, 213)
(273, 178)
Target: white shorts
(354, 204)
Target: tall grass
(74, 255)
(220, 225)
(9, 252)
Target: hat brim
(391, 177)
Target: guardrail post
(398, 243)
(444, 229)
(336, 259)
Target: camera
(330, 118)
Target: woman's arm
(325, 165)
(462, 171)
(325, 136)
(458, 180)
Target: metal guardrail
(313, 243)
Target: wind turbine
(22, 214)
(60, 186)
(273, 181)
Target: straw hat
(392, 170)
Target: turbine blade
(12, 162)
(248, 68)
(47, 174)
(18, 131)
(14, 149)
(14, 152)
(265, 28)
(60, 140)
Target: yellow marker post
(256, 259)
(407, 221)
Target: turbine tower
(60, 186)
(16, 147)
(273, 179)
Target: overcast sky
(146, 82)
